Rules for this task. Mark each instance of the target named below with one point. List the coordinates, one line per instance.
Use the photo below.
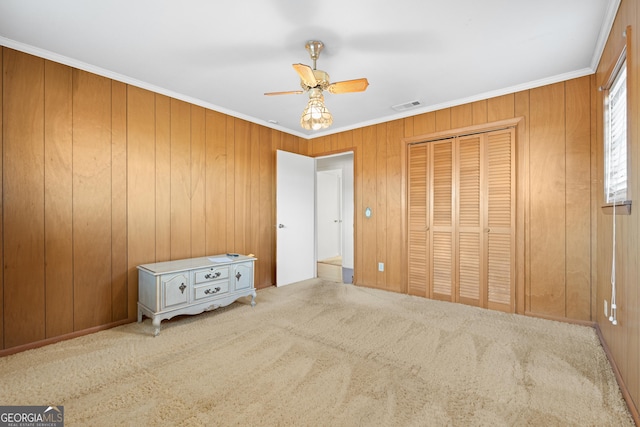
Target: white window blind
(615, 140)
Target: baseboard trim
(42, 343)
(560, 319)
(623, 387)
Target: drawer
(212, 273)
(211, 289)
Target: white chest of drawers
(191, 286)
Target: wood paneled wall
(99, 177)
(554, 172)
(623, 340)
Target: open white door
(295, 215)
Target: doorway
(334, 217)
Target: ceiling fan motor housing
(322, 80)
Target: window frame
(622, 204)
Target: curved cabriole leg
(156, 324)
(253, 299)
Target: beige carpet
(326, 354)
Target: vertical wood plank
(522, 202)
(198, 194)
(359, 220)
(242, 184)
(345, 140)
(23, 201)
(547, 204)
(180, 180)
(254, 235)
(231, 190)
(119, 286)
(424, 124)
(500, 108)
(369, 200)
(58, 199)
(91, 200)
(216, 171)
(163, 178)
(381, 204)
(595, 191)
(288, 143)
(578, 200)
(395, 209)
(479, 112)
(594, 197)
(327, 144)
(304, 147)
(408, 127)
(276, 137)
(317, 145)
(141, 186)
(443, 119)
(334, 142)
(265, 252)
(461, 116)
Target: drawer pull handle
(238, 276)
(212, 276)
(211, 292)
(182, 288)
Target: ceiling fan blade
(306, 74)
(289, 92)
(357, 85)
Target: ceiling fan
(316, 115)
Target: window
(615, 135)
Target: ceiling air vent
(407, 106)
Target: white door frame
(348, 212)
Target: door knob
(280, 225)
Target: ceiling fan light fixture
(316, 116)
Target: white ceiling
(225, 54)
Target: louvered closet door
(418, 210)
(469, 231)
(462, 220)
(442, 220)
(500, 223)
